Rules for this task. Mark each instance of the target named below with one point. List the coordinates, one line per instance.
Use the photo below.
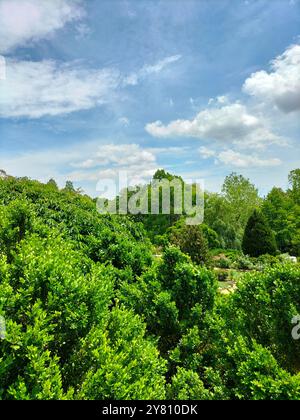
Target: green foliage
(52, 183)
(60, 263)
(16, 220)
(258, 238)
(282, 210)
(227, 213)
(186, 385)
(223, 262)
(263, 307)
(241, 196)
(90, 314)
(243, 263)
(191, 241)
(258, 376)
(123, 365)
(211, 237)
(168, 294)
(69, 186)
(294, 180)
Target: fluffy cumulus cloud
(123, 155)
(236, 159)
(281, 86)
(111, 160)
(23, 21)
(233, 158)
(37, 89)
(231, 123)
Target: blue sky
(201, 88)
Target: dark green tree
(258, 238)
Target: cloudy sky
(201, 88)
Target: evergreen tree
(258, 237)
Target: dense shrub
(191, 241)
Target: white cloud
(23, 21)
(125, 155)
(229, 124)
(134, 78)
(233, 158)
(111, 159)
(48, 88)
(281, 86)
(206, 153)
(37, 89)
(84, 163)
(168, 150)
(236, 159)
(122, 155)
(219, 100)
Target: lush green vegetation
(95, 310)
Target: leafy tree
(258, 238)
(294, 181)
(191, 241)
(162, 174)
(241, 197)
(282, 210)
(228, 213)
(69, 186)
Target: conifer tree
(258, 238)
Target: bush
(186, 385)
(191, 241)
(243, 263)
(223, 262)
